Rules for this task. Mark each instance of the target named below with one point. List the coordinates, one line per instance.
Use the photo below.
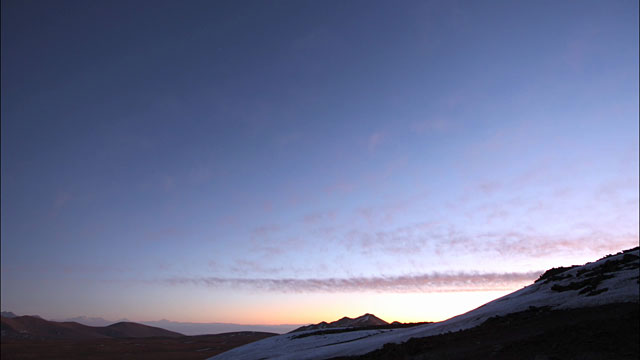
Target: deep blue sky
(164, 158)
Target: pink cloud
(168, 183)
(340, 188)
(267, 206)
(318, 217)
(266, 230)
(430, 125)
(490, 187)
(385, 214)
(443, 240)
(288, 138)
(62, 199)
(244, 267)
(200, 175)
(163, 234)
(67, 269)
(375, 140)
(228, 220)
(213, 265)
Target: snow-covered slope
(613, 279)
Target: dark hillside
(604, 332)
(150, 348)
(135, 330)
(31, 327)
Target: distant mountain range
(189, 328)
(31, 337)
(31, 327)
(186, 328)
(92, 321)
(365, 320)
(8, 314)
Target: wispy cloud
(435, 282)
(266, 230)
(62, 199)
(163, 234)
(340, 187)
(168, 183)
(244, 267)
(444, 239)
(430, 125)
(200, 174)
(319, 217)
(288, 138)
(67, 269)
(385, 214)
(489, 187)
(375, 140)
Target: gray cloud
(435, 282)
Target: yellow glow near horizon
(314, 308)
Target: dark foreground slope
(609, 331)
(156, 348)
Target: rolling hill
(31, 327)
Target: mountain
(90, 321)
(31, 327)
(135, 330)
(8, 314)
(189, 328)
(588, 311)
(346, 322)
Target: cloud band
(436, 282)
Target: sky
(289, 162)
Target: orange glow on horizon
(314, 308)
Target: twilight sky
(298, 161)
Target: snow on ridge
(557, 292)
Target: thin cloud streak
(435, 282)
(441, 239)
(375, 140)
